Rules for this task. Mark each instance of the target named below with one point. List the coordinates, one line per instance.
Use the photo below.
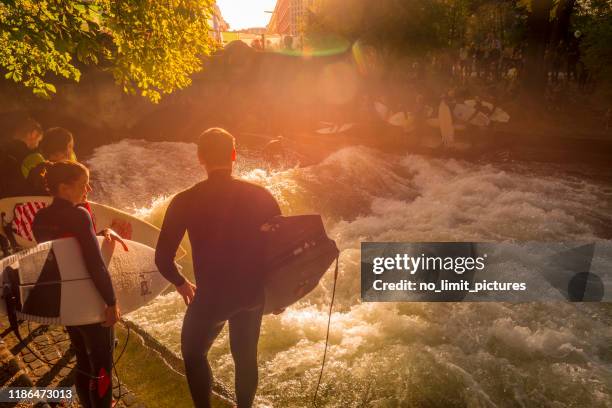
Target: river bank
(149, 375)
(250, 92)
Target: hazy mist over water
(400, 354)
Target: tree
(594, 22)
(149, 46)
(405, 27)
(538, 35)
(561, 26)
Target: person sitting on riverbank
(18, 156)
(57, 145)
(222, 216)
(68, 183)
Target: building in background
(289, 17)
(218, 24)
(254, 37)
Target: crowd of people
(42, 162)
(491, 62)
(28, 153)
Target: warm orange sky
(246, 13)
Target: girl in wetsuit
(68, 183)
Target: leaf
(50, 88)
(42, 93)
(42, 38)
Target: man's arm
(172, 232)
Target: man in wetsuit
(18, 156)
(222, 216)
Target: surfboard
(468, 108)
(469, 114)
(330, 130)
(381, 109)
(487, 105)
(344, 127)
(403, 120)
(480, 120)
(445, 120)
(51, 283)
(18, 213)
(463, 112)
(297, 255)
(499, 115)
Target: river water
(401, 354)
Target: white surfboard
(53, 286)
(469, 114)
(381, 109)
(126, 225)
(487, 105)
(402, 119)
(445, 120)
(495, 113)
(463, 112)
(499, 115)
(481, 120)
(344, 127)
(330, 130)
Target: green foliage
(594, 20)
(149, 46)
(415, 27)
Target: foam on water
(401, 354)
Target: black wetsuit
(222, 217)
(93, 343)
(12, 155)
(36, 179)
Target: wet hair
(55, 140)
(215, 147)
(25, 126)
(62, 172)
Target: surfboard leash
(127, 339)
(92, 377)
(11, 307)
(50, 363)
(15, 328)
(331, 306)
